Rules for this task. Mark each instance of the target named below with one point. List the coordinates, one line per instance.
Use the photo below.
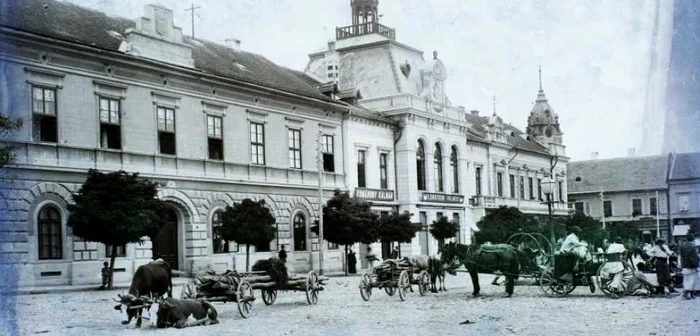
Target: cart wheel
(423, 282)
(546, 283)
(390, 290)
(366, 287)
(554, 287)
(604, 285)
(403, 285)
(312, 288)
(268, 295)
(244, 298)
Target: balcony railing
(525, 205)
(364, 29)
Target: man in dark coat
(282, 255)
(689, 263)
(352, 262)
(661, 253)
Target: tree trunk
(398, 244)
(345, 261)
(247, 256)
(111, 266)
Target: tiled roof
(73, 23)
(686, 166)
(478, 133)
(621, 174)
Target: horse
(486, 259)
(432, 265)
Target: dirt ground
(341, 311)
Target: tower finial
(540, 70)
(494, 105)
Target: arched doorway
(165, 244)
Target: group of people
(626, 278)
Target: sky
(597, 56)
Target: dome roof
(542, 113)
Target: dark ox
(150, 281)
(174, 313)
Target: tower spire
(540, 95)
(540, 70)
(494, 105)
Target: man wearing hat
(661, 253)
(573, 245)
(689, 264)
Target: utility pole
(319, 161)
(602, 206)
(192, 9)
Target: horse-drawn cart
(394, 276)
(566, 273)
(239, 287)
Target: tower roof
(542, 113)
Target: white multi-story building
(446, 161)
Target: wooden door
(165, 245)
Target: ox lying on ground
(174, 312)
(150, 281)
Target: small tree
(115, 209)
(626, 230)
(249, 223)
(442, 229)
(348, 220)
(7, 125)
(498, 225)
(397, 227)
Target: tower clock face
(549, 131)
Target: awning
(680, 230)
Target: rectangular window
(683, 202)
(499, 181)
(383, 180)
(333, 246)
(327, 150)
(478, 181)
(361, 179)
(512, 186)
(294, 144)
(579, 207)
(560, 190)
(607, 208)
(652, 207)
(636, 207)
(539, 189)
(45, 126)
(522, 187)
(121, 251)
(215, 138)
(455, 219)
(110, 129)
(257, 143)
(166, 130)
(530, 188)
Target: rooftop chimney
(233, 43)
(630, 152)
(475, 112)
(331, 45)
(594, 155)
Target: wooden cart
(393, 277)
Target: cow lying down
(174, 313)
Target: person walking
(689, 264)
(282, 254)
(105, 275)
(371, 258)
(352, 262)
(661, 253)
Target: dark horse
(485, 259)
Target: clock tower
(543, 124)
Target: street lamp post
(548, 190)
(319, 161)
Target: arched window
(299, 232)
(220, 245)
(420, 165)
(437, 165)
(455, 170)
(50, 237)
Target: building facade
(448, 162)
(619, 190)
(684, 191)
(212, 123)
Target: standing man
(282, 255)
(352, 262)
(394, 253)
(689, 263)
(661, 253)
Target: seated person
(614, 267)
